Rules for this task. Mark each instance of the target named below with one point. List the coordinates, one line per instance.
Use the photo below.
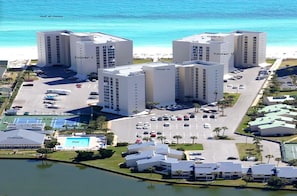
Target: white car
(206, 125)
(153, 118)
(241, 86)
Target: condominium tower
(236, 49)
(84, 53)
(122, 90)
(93, 51)
(213, 47)
(53, 48)
(200, 81)
(250, 48)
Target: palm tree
(177, 137)
(146, 139)
(151, 170)
(161, 138)
(179, 173)
(150, 105)
(269, 156)
(224, 129)
(217, 130)
(196, 106)
(257, 141)
(193, 139)
(222, 104)
(278, 159)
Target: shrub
(119, 144)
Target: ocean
(149, 23)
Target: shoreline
(30, 52)
(163, 181)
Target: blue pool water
(77, 142)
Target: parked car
(166, 124)
(206, 125)
(186, 125)
(232, 158)
(153, 118)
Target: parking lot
(33, 99)
(214, 150)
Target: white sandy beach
(19, 53)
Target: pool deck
(94, 143)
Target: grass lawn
(187, 146)
(139, 61)
(270, 61)
(17, 153)
(247, 149)
(288, 62)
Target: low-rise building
(229, 170)
(288, 173)
(262, 172)
(270, 100)
(205, 171)
(131, 159)
(182, 169)
(21, 139)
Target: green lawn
(140, 61)
(288, 62)
(247, 149)
(187, 146)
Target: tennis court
(60, 123)
(27, 120)
(289, 151)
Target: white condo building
(200, 81)
(250, 48)
(160, 83)
(122, 90)
(93, 51)
(125, 90)
(53, 48)
(84, 53)
(237, 49)
(213, 47)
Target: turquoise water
(77, 142)
(147, 22)
(36, 178)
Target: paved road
(215, 150)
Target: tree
(222, 104)
(224, 129)
(278, 159)
(161, 138)
(193, 139)
(101, 121)
(151, 170)
(217, 130)
(293, 162)
(196, 106)
(276, 182)
(179, 173)
(269, 156)
(177, 137)
(150, 105)
(146, 139)
(257, 141)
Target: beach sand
(14, 53)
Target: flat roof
(205, 38)
(127, 70)
(100, 37)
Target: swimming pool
(77, 142)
